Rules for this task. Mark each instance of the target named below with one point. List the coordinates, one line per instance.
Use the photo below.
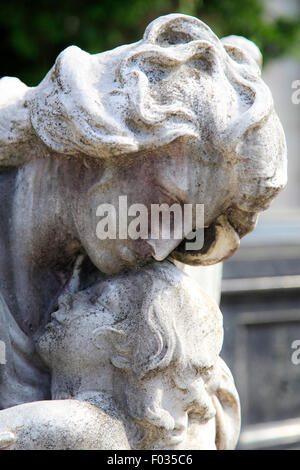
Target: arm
(60, 425)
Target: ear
(114, 342)
(104, 337)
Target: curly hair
(170, 324)
(154, 330)
(139, 96)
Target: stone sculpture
(179, 117)
(143, 348)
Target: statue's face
(177, 174)
(67, 344)
(73, 341)
(185, 408)
(171, 175)
(77, 343)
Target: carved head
(192, 105)
(159, 336)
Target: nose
(65, 301)
(59, 316)
(162, 248)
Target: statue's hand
(7, 440)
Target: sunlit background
(261, 282)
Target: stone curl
(180, 80)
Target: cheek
(61, 345)
(211, 184)
(50, 347)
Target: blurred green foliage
(33, 33)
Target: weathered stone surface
(178, 117)
(143, 347)
(60, 425)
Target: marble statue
(180, 117)
(143, 349)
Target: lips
(221, 240)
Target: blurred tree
(33, 33)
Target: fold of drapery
(21, 376)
